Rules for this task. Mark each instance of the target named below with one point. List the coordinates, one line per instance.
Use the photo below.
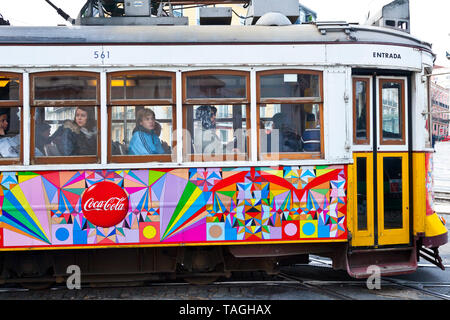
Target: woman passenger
(145, 139)
(78, 137)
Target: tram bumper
(436, 233)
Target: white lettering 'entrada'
(387, 55)
(111, 205)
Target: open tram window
(65, 117)
(142, 116)
(216, 115)
(289, 114)
(10, 118)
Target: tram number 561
(101, 54)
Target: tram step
(363, 264)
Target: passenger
(42, 138)
(9, 145)
(78, 136)
(206, 140)
(145, 139)
(311, 135)
(288, 139)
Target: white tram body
(338, 56)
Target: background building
(440, 103)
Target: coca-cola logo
(104, 204)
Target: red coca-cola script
(104, 204)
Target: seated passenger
(77, 137)
(288, 139)
(311, 135)
(145, 139)
(9, 145)
(206, 140)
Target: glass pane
(65, 88)
(216, 130)
(217, 86)
(9, 88)
(141, 87)
(289, 85)
(10, 132)
(392, 183)
(392, 109)
(65, 131)
(141, 130)
(289, 128)
(361, 110)
(361, 173)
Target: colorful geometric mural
(196, 205)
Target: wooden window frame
(141, 103)
(34, 104)
(304, 100)
(197, 157)
(387, 142)
(15, 104)
(368, 112)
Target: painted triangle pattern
(196, 205)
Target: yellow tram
(199, 151)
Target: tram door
(381, 162)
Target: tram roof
(304, 33)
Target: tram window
(361, 111)
(65, 132)
(141, 112)
(216, 86)
(65, 87)
(141, 87)
(216, 115)
(289, 128)
(65, 117)
(9, 88)
(10, 118)
(289, 115)
(216, 132)
(141, 130)
(392, 186)
(392, 112)
(289, 85)
(361, 174)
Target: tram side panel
(178, 206)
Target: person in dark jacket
(206, 141)
(79, 136)
(288, 139)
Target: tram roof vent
(258, 8)
(393, 15)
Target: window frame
(304, 100)
(366, 141)
(196, 157)
(402, 109)
(36, 104)
(110, 103)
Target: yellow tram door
(379, 177)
